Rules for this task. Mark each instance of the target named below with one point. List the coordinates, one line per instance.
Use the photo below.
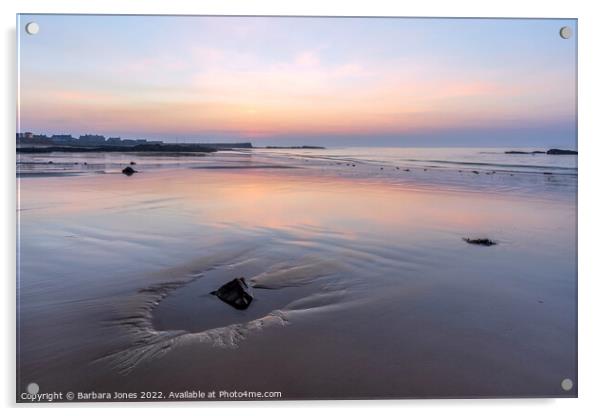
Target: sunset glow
(278, 79)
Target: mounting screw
(566, 32)
(32, 28)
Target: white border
(590, 150)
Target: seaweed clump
(480, 241)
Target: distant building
(95, 140)
(29, 138)
(62, 139)
(115, 141)
(91, 140)
(26, 135)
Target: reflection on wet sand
(363, 287)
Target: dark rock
(235, 293)
(128, 171)
(480, 241)
(561, 152)
(295, 147)
(475, 172)
(149, 147)
(132, 163)
(520, 152)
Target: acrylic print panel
(273, 208)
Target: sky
(295, 80)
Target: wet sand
(363, 287)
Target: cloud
(212, 89)
(307, 59)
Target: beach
(363, 285)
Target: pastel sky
(332, 81)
